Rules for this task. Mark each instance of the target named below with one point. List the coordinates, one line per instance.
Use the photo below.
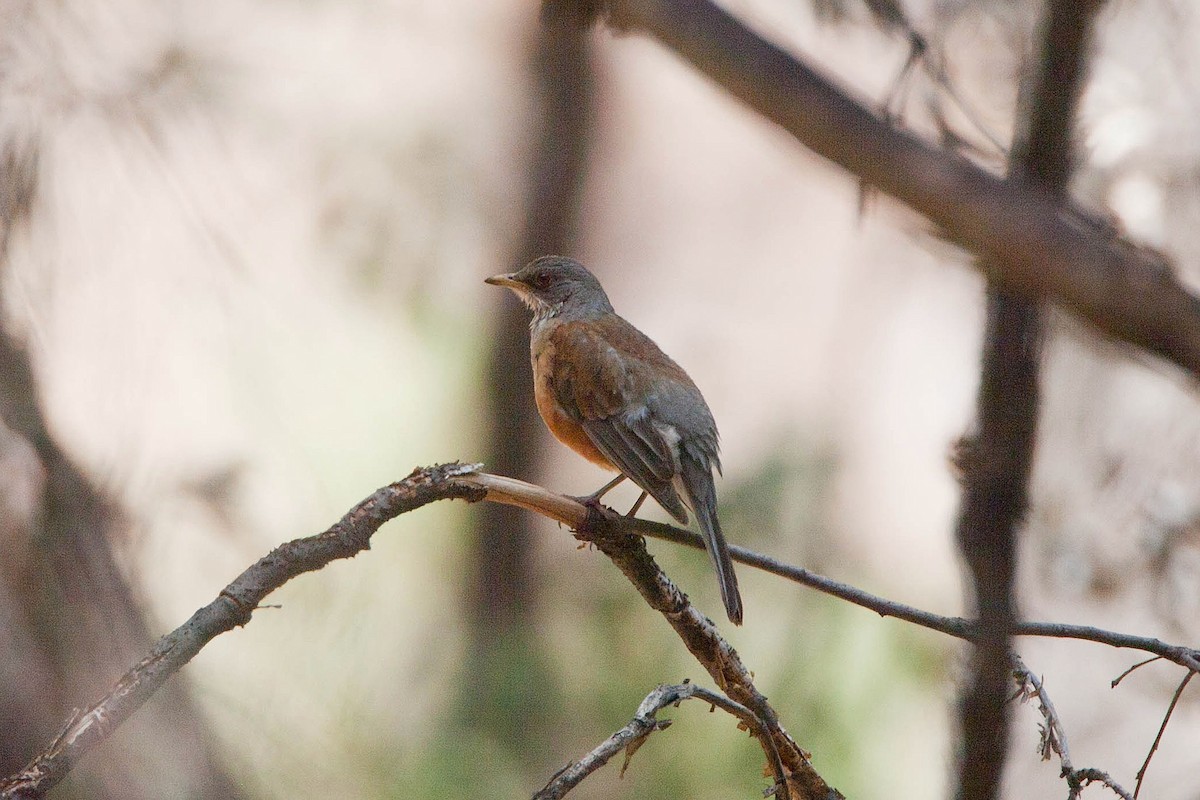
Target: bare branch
(1028, 239)
(1141, 773)
(957, 627)
(351, 535)
(1117, 680)
(232, 608)
(1054, 737)
(608, 531)
(644, 723)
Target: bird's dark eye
(542, 281)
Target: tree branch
(644, 723)
(1141, 773)
(1054, 737)
(232, 608)
(351, 535)
(958, 627)
(996, 473)
(1028, 239)
(612, 534)
(606, 529)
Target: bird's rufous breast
(564, 427)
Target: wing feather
(605, 391)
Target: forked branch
(613, 534)
(646, 722)
(1054, 737)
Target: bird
(606, 390)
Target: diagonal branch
(1028, 239)
(1054, 738)
(958, 627)
(1141, 773)
(612, 534)
(607, 530)
(350, 536)
(231, 609)
(644, 723)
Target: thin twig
(757, 729)
(1054, 737)
(1088, 775)
(1129, 671)
(644, 723)
(1141, 773)
(958, 627)
(891, 16)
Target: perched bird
(610, 394)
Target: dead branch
(1141, 773)
(644, 723)
(958, 627)
(351, 535)
(232, 608)
(1054, 737)
(611, 533)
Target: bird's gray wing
(607, 391)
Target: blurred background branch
(72, 622)
(1028, 240)
(247, 284)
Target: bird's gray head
(553, 285)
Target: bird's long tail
(698, 484)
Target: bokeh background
(244, 246)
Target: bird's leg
(606, 488)
(633, 511)
(593, 499)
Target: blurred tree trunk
(70, 625)
(996, 480)
(506, 657)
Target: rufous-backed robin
(610, 394)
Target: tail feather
(702, 494)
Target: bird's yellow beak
(508, 280)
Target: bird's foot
(593, 500)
